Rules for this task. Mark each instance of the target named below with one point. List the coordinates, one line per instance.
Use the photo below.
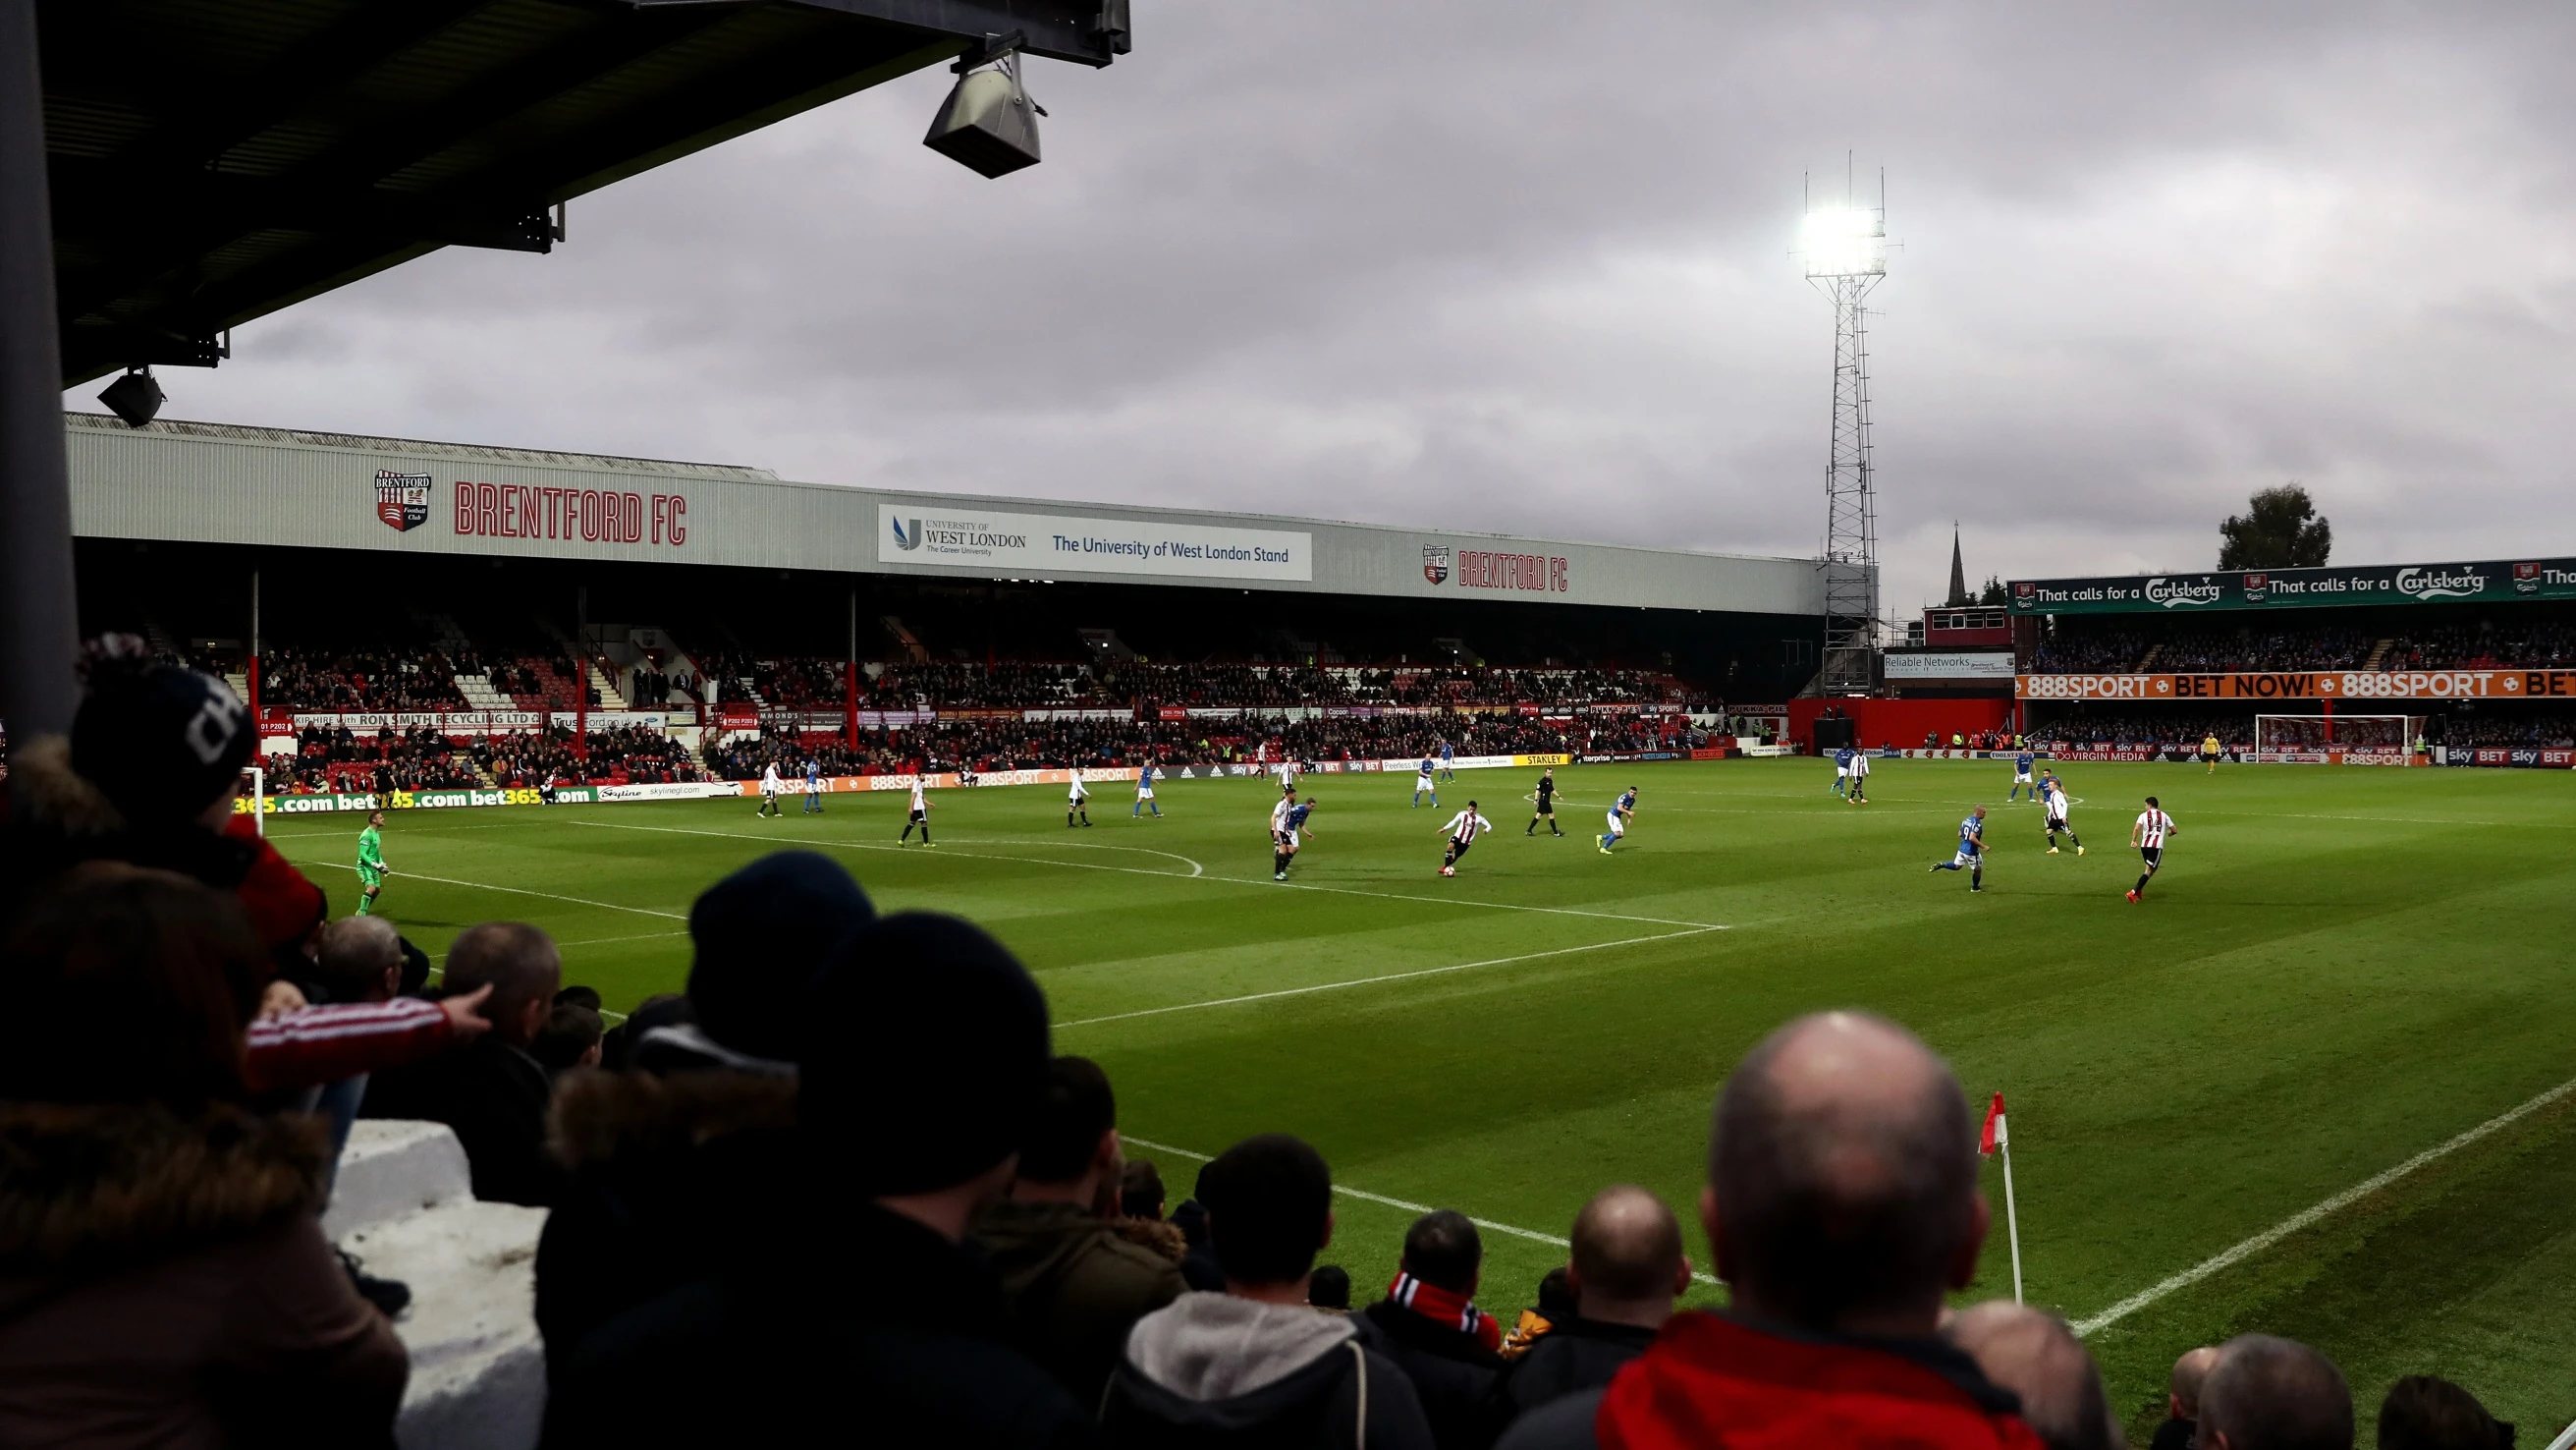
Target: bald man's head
(360, 959)
(2189, 1373)
(520, 965)
(2269, 1393)
(1842, 1174)
(1627, 1261)
(2037, 1357)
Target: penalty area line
(1491, 1226)
(2229, 1258)
(1387, 977)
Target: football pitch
(2338, 973)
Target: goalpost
(2289, 737)
(254, 793)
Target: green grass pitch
(2336, 971)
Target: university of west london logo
(1435, 563)
(402, 499)
(906, 538)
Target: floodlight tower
(1845, 252)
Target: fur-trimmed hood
(89, 1188)
(58, 797)
(606, 1118)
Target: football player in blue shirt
(813, 786)
(1842, 770)
(1422, 785)
(1448, 763)
(1620, 815)
(1971, 856)
(2021, 778)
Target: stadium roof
(211, 163)
(219, 483)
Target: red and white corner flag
(1997, 1138)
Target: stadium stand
(2372, 641)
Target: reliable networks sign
(2488, 583)
(1044, 545)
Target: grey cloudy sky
(1526, 268)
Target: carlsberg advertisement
(2487, 583)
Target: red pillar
(581, 714)
(850, 703)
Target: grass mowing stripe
(1388, 977)
(1263, 881)
(2297, 1221)
(1514, 1230)
(521, 891)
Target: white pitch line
(520, 891)
(1388, 977)
(2303, 1219)
(1262, 882)
(1514, 1230)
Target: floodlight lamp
(988, 124)
(1845, 241)
(135, 397)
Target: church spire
(1958, 572)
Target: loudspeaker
(135, 398)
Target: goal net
(2317, 738)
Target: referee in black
(1546, 804)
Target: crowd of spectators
(2270, 646)
(385, 759)
(843, 1188)
(2544, 645)
(371, 680)
(1124, 684)
(2276, 643)
(2071, 650)
(1000, 745)
(2541, 731)
(2180, 727)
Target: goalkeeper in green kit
(371, 861)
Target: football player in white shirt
(1859, 778)
(1279, 833)
(770, 785)
(1078, 802)
(2052, 795)
(920, 815)
(1461, 830)
(2149, 835)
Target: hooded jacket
(667, 1179)
(164, 1281)
(1075, 1286)
(1214, 1370)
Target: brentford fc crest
(402, 499)
(1435, 563)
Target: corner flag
(1996, 1138)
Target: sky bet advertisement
(2490, 583)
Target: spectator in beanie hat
(694, 1150)
(148, 777)
(862, 1316)
(759, 935)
